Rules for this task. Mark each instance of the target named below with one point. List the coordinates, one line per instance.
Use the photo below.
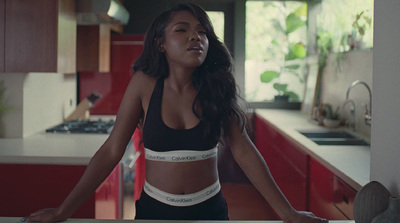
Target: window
(218, 20)
(276, 43)
(341, 19)
(277, 38)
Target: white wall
(385, 151)
(11, 122)
(338, 76)
(39, 101)
(239, 43)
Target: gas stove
(78, 126)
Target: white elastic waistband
(179, 199)
(180, 155)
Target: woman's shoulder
(143, 82)
(141, 79)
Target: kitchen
(35, 109)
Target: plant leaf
(292, 96)
(301, 11)
(281, 87)
(297, 51)
(292, 67)
(268, 76)
(293, 22)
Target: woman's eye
(180, 30)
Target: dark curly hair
(216, 102)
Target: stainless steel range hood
(91, 12)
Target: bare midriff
(182, 177)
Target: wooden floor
(244, 203)
(129, 208)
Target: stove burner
(77, 126)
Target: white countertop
(350, 163)
(49, 148)
(17, 220)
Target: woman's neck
(180, 80)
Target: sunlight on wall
(218, 20)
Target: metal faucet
(352, 122)
(368, 113)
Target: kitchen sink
(334, 138)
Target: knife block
(82, 111)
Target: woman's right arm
(105, 159)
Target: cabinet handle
(345, 199)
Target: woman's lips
(195, 48)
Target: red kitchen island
(41, 170)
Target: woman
(184, 93)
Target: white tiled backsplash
(39, 101)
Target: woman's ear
(161, 48)
(160, 45)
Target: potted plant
(361, 22)
(293, 51)
(3, 107)
(331, 119)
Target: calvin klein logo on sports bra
(183, 158)
(152, 157)
(180, 155)
(209, 155)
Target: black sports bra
(158, 137)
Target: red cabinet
(125, 49)
(306, 183)
(288, 164)
(28, 188)
(330, 197)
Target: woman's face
(185, 44)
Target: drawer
(344, 197)
(293, 153)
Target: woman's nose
(195, 36)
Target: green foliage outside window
(291, 51)
(338, 24)
(349, 23)
(275, 47)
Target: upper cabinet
(38, 36)
(93, 48)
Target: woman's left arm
(256, 169)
